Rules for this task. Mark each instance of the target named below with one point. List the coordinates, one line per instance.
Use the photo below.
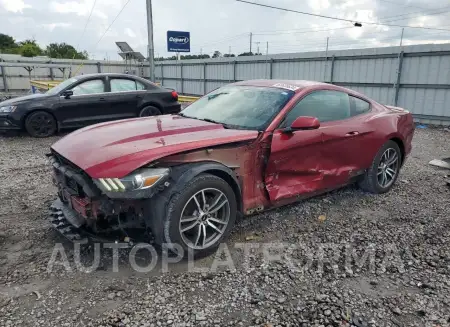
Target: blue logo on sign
(178, 41)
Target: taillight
(175, 95)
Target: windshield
(61, 86)
(246, 107)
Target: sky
(224, 25)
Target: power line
(421, 15)
(402, 5)
(87, 22)
(304, 31)
(115, 18)
(337, 18)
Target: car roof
(107, 74)
(294, 85)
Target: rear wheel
(40, 124)
(385, 169)
(150, 111)
(201, 216)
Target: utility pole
(401, 38)
(151, 48)
(326, 61)
(267, 48)
(257, 48)
(251, 36)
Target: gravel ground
(405, 280)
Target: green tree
(8, 44)
(29, 48)
(64, 51)
(217, 54)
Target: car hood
(18, 100)
(117, 148)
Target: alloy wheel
(388, 168)
(204, 218)
(42, 124)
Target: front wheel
(383, 173)
(40, 124)
(201, 216)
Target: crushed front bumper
(66, 221)
(71, 225)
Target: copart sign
(178, 41)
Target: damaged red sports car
(241, 149)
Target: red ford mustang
(242, 149)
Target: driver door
(305, 162)
(86, 106)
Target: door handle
(102, 99)
(353, 133)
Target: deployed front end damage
(102, 208)
(107, 209)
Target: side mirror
(67, 94)
(303, 123)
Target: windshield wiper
(215, 122)
(213, 96)
(207, 120)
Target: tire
(373, 179)
(40, 124)
(149, 111)
(183, 203)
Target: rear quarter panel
(387, 124)
(161, 99)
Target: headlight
(8, 108)
(139, 180)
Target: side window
(324, 105)
(89, 87)
(359, 106)
(140, 86)
(122, 85)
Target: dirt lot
(405, 280)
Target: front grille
(73, 178)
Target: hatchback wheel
(40, 124)
(201, 216)
(150, 111)
(385, 169)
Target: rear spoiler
(398, 109)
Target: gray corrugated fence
(414, 77)
(16, 71)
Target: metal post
(162, 74)
(52, 76)
(326, 62)
(401, 37)
(181, 78)
(332, 69)
(99, 67)
(397, 82)
(204, 78)
(271, 69)
(234, 71)
(251, 36)
(151, 59)
(5, 83)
